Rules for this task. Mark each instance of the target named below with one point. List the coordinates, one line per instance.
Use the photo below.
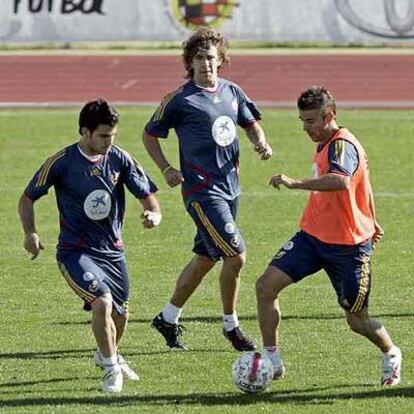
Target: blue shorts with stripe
(92, 276)
(217, 233)
(348, 267)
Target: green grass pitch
(45, 340)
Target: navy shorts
(91, 276)
(348, 267)
(217, 233)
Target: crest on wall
(194, 13)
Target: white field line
(263, 104)
(147, 49)
(129, 84)
(287, 193)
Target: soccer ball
(252, 372)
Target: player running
(205, 113)
(89, 179)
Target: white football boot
(113, 379)
(391, 368)
(279, 371)
(127, 372)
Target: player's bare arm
(327, 182)
(151, 216)
(32, 243)
(257, 137)
(172, 176)
(379, 232)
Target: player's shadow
(61, 354)
(87, 353)
(218, 319)
(39, 382)
(292, 397)
(287, 317)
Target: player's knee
(236, 262)
(204, 263)
(356, 323)
(264, 289)
(271, 283)
(122, 317)
(125, 316)
(102, 304)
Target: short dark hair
(317, 97)
(95, 113)
(202, 39)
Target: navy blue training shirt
(205, 122)
(91, 196)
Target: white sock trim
(230, 321)
(393, 351)
(171, 313)
(273, 355)
(110, 361)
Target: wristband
(167, 168)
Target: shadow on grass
(87, 353)
(218, 319)
(293, 397)
(44, 381)
(64, 353)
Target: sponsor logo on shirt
(97, 205)
(223, 131)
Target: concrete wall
(338, 21)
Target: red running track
(275, 80)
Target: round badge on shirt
(97, 205)
(223, 130)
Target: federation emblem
(223, 131)
(235, 241)
(195, 13)
(97, 205)
(93, 287)
(279, 255)
(115, 178)
(400, 25)
(96, 171)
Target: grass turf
(46, 345)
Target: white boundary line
(271, 193)
(263, 104)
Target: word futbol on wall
(64, 6)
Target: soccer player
(204, 113)
(337, 233)
(89, 178)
